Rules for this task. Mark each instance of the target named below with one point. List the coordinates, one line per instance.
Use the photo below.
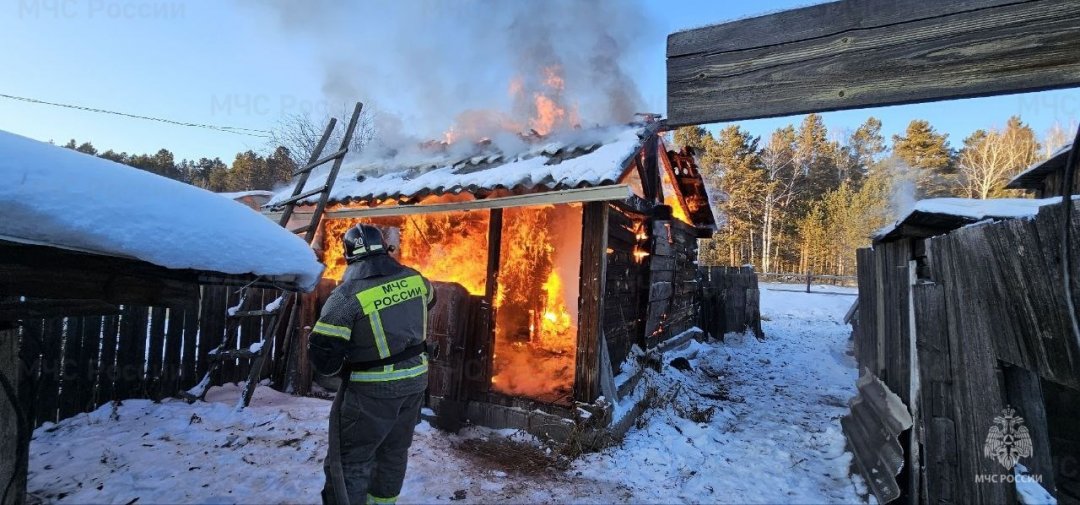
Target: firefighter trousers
(369, 446)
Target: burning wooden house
(550, 264)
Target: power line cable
(230, 129)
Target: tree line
(804, 199)
(248, 171)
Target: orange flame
(442, 246)
(536, 293)
(535, 326)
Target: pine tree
(743, 183)
(928, 154)
(246, 172)
(279, 167)
(216, 173)
(864, 147)
(115, 156)
(816, 156)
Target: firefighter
(372, 334)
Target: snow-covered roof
(62, 198)
(241, 194)
(940, 215)
(581, 158)
(1033, 176)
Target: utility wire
(230, 129)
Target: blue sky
(226, 63)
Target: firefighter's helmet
(362, 241)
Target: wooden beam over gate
(862, 53)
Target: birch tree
(990, 159)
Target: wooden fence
(76, 364)
(961, 326)
(730, 300)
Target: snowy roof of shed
(64, 199)
(1033, 176)
(242, 194)
(936, 216)
(574, 159)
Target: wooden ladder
(270, 315)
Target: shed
(254, 199)
(960, 315)
(551, 262)
(103, 270)
(1044, 178)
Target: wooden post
(809, 275)
(480, 363)
(590, 309)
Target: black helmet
(362, 241)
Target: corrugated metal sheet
(877, 417)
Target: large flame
(536, 306)
(542, 109)
(536, 294)
(447, 247)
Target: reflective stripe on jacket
(380, 308)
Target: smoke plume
(466, 70)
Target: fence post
(809, 275)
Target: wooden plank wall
(76, 364)
(729, 301)
(991, 329)
(14, 446)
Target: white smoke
(426, 66)
(904, 189)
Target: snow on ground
(751, 422)
(64, 198)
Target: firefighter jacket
(379, 309)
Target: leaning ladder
(270, 314)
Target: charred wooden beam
(590, 306)
(859, 53)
